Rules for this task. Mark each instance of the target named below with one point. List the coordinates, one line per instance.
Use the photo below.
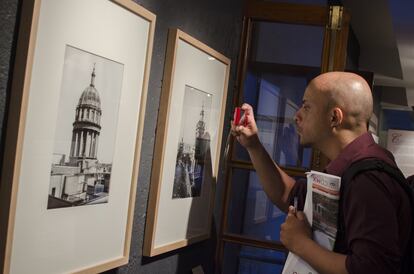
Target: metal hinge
(335, 17)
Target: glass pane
(394, 119)
(397, 119)
(251, 213)
(282, 61)
(276, 99)
(282, 43)
(252, 260)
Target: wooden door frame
(334, 56)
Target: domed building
(83, 179)
(202, 142)
(190, 162)
(86, 128)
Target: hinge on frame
(335, 17)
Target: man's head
(336, 106)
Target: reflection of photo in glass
(194, 143)
(85, 130)
(289, 145)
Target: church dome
(90, 96)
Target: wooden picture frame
(185, 164)
(74, 214)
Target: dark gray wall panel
(8, 11)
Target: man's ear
(337, 117)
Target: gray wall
(8, 10)
(216, 23)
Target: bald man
(333, 118)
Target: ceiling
(385, 31)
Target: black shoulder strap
(352, 171)
(376, 164)
(373, 164)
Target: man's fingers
(246, 107)
(233, 128)
(248, 110)
(240, 129)
(245, 119)
(237, 130)
(242, 119)
(248, 115)
(301, 216)
(291, 212)
(282, 227)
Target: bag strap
(378, 165)
(374, 164)
(355, 169)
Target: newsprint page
(321, 210)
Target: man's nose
(296, 117)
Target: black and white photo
(194, 143)
(85, 130)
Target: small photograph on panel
(85, 132)
(193, 148)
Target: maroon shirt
(376, 211)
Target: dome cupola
(90, 95)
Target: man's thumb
(300, 215)
(291, 211)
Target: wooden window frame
(333, 58)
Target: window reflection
(251, 213)
(277, 99)
(246, 260)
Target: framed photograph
(187, 146)
(74, 133)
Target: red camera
(238, 114)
